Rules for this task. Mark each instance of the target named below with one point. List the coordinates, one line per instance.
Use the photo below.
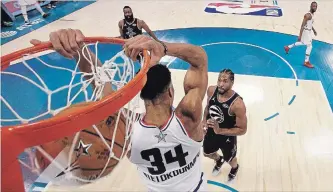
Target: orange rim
(19, 137)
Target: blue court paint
(291, 132)
(247, 60)
(256, 46)
(271, 117)
(292, 100)
(222, 185)
(19, 28)
(36, 186)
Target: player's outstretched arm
(189, 109)
(69, 43)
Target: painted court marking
(272, 52)
(222, 185)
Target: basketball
(91, 152)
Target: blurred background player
(25, 3)
(305, 34)
(6, 20)
(130, 26)
(52, 4)
(225, 117)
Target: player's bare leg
(218, 162)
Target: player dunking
(305, 34)
(130, 26)
(225, 117)
(166, 141)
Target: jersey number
(157, 162)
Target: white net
(64, 167)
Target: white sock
(308, 52)
(307, 58)
(39, 8)
(24, 13)
(298, 43)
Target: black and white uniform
(167, 159)
(131, 29)
(220, 111)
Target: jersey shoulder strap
(214, 93)
(234, 97)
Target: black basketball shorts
(228, 145)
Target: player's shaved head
(158, 82)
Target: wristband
(165, 47)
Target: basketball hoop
(32, 132)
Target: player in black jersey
(224, 119)
(130, 26)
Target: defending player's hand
(139, 43)
(211, 123)
(65, 41)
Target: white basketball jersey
(309, 23)
(167, 159)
